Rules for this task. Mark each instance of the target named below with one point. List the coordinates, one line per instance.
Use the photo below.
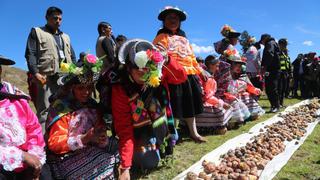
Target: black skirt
(186, 98)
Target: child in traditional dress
(240, 86)
(217, 113)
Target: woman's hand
(96, 136)
(258, 91)
(88, 137)
(226, 106)
(124, 174)
(33, 162)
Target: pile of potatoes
(244, 163)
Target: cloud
(198, 40)
(308, 43)
(202, 49)
(308, 31)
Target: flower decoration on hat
(233, 55)
(151, 61)
(87, 73)
(230, 53)
(246, 40)
(243, 59)
(226, 29)
(90, 63)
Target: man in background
(47, 47)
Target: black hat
(11, 92)
(6, 61)
(264, 36)
(168, 9)
(233, 34)
(283, 41)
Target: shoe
(274, 110)
(271, 109)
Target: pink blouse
(210, 89)
(19, 131)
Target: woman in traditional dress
(186, 99)
(22, 154)
(78, 146)
(141, 108)
(240, 86)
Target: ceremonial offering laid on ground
(262, 152)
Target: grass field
(305, 163)
(188, 152)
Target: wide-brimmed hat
(168, 9)
(128, 50)
(283, 41)
(233, 55)
(264, 36)
(228, 32)
(9, 91)
(142, 54)
(6, 61)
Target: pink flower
(91, 59)
(157, 57)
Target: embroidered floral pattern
(179, 45)
(81, 121)
(11, 131)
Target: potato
(244, 166)
(191, 176)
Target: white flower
(78, 71)
(141, 59)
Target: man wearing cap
(285, 67)
(271, 66)
(47, 47)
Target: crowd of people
(102, 115)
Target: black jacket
(296, 66)
(270, 58)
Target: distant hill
(15, 76)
